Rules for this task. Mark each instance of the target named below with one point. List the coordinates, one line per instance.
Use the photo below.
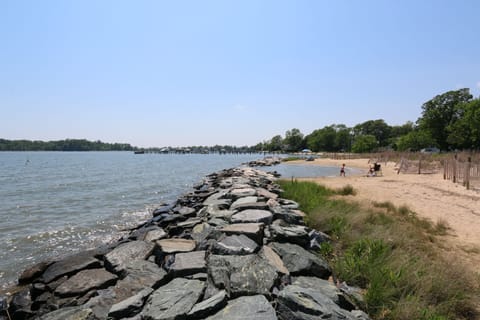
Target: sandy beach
(429, 195)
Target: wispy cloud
(478, 84)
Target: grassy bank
(397, 257)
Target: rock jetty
(229, 249)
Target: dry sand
(429, 195)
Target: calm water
(53, 203)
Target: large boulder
(176, 245)
(174, 300)
(235, 245)
(326, 287)
(241, 192)
(70, 313)
(209, 306)
(301, 262)
(299, 303)
(249, 307)
(253, 216)
(283, 232)
(242, 275)
(70, 265)
(33, 271)
(271, 257)
(130, 306)
(252, 230)
(189, 263)
(117, 259)
(85, 281)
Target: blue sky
(178, 73)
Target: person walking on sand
(342, 170)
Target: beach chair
(377, 168)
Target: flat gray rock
(252, 216)
(266, 194)
(186, 211)
(140, 275)
(130, 306)
(145, 273)
(155, 234)
(242, 275)
(250, 205)
(298, 303)
(34, 271)
(85, 281)
(290, 233)
(274, 259)
(244, 200)
(190, 223)
(189, 263)
(217, 222)
(252, 230)
(175, 245)
(301, 262)
(242, 192)
(173, 300)
(214, 211)
(125, 253)
(200, 232)
(235, 245)
(325, 287)
(70, 265)
(249, 307)
(70, 313)
(216, 199)
(289, 204)
(209, 306)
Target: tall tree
(464, 133)
(365, 143)
(294, 140)
(276, 143)
(415, 140)
(322, 139)
(377, 128)
(440, 113)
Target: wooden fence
(462, 170)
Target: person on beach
(371, 172)
(342, 170)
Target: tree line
(62, 145)
(449, 121)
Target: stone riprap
(231, 248)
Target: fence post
(420, 165)
(467, 173)
(455, 169)
(445, 169)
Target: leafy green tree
(464, 133)
(343, 139)
(276, 143)
(377, 128)
(322, 139)
(440, 113)
(365, 143)
(415, 140)
(293, 140)
(398, 131)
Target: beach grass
(391, 253)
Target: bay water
(56, 203)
